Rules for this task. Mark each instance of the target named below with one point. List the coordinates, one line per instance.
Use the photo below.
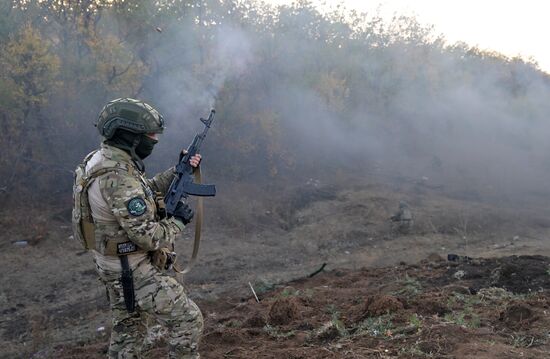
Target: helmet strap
(128, 142)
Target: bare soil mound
(284, 311)
(492, 306)
(409, 311)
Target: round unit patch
(137, 206)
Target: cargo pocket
(168, 292)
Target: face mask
(122, 139)
(145, 147)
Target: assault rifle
(183, 185)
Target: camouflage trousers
(161, 298)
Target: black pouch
(127, 281)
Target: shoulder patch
(137, 206)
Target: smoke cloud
(298, 92)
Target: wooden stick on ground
(253, 292)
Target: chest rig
(108, 239)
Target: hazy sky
(511, 27)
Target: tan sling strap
(198, 229)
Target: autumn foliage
(273, 74)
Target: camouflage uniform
(124, 211)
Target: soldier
(116, 217)
(403, 217)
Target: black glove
(184, 213)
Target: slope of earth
(50, 297)
(472, 308)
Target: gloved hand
(184, 213)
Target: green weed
(331, 309)
(331, 330)
(278, 334)
(233, 323)
(335, 320)
(415, 320)
(339, 325)
(465, 318)
(463, 300)
(522, 341)
(263, 286)
(415, 351)
(289, 292)
(410, 287)
(376, 326)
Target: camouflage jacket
(123, 206)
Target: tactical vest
(111, 239)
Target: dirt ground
(381, 294)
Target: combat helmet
(131, 115)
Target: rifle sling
(198, 229)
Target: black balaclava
(145, 146)
(139, 146)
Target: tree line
(293, 87)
